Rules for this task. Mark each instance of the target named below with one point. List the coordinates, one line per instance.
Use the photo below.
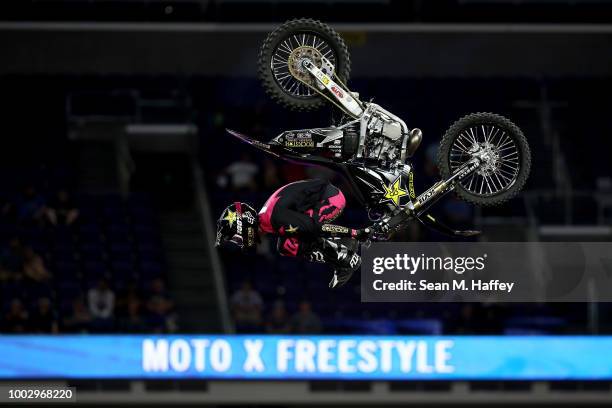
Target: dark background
(124, 104)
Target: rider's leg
(347, 262)
(330, 207)
(340, 253)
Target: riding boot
(341, 253)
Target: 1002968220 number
(37, 393)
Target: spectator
(242, 173)
(246, 306)
(62, 210)
(160, 306)
(133, 321)
(157, 289)
(101, 301)
(13, 282)
(16, 319)
(271, 178)
(160, 320)
(121, 302)
(12, 257)
(305, 321)
(159, 295)
(80, 318)
(44, 320)
(278, 321)
(34, 267)
(30, 206)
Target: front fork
(435, 192)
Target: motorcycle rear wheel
(495, 182)
(283, 79)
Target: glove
(380, 230)
(382, 226)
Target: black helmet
(237, 227)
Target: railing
(209, 235)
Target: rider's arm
(333, 230)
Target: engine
(384, 139)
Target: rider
(299, 214)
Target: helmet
(237, 227)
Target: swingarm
(348, 102)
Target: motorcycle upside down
(483, 157)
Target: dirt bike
(483, 157)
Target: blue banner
(307, 357)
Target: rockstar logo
(230, 217)
(394, 191)
(291, 229)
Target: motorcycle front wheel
(280, 68)
(497, 180)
